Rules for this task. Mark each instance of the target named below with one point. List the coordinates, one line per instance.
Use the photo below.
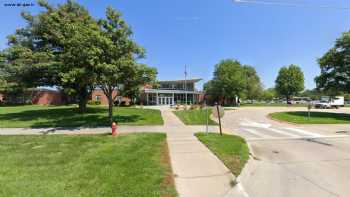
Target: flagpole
(186, 86)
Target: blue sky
(200, 33)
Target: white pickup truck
(327, 102)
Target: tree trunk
(82, 105)
(108, 91)
(110, 108)
(83, 97)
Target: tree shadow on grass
(65, 117)
(337, 116)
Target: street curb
(281, 121)
(238, 189)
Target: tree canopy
(268, 94)
(64, 46)
(143, 75)
(231, 80)
(313, 94)
(335, 67)
(117, 66)
(57, 47)
(254, 87)
(290, 81)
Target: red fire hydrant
(114, 128)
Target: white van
(328, 102)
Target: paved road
(292, 160)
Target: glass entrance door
(165, 100)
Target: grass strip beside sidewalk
(230, 149)
(195, 116)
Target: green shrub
(91, 102)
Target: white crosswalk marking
(262, 131)
(305, 132)
(279, 132)
(283, 132)
(255, 132)
(254, 124)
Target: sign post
(219, 113)
(207, 118)
(309, 106)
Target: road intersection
(292, 160)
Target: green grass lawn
(301, 117)
(101, 165)
(230, 149)
(272, 105)
(194, 116)
(67, 116)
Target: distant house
(172, 92)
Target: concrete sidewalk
(99, 130)
(197, 171)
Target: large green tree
(59, 48)
(335, 67)
(14, 72)
(314, 94)
(253, 88)
(64, 46)
(133, 84)
(117, 68)
(290, 81)
(72, 35)
(231, 80)
(268, 94)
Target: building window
(98, 98)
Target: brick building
(48, 97)
(169, 92)
(38, 96)
(99, 96)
